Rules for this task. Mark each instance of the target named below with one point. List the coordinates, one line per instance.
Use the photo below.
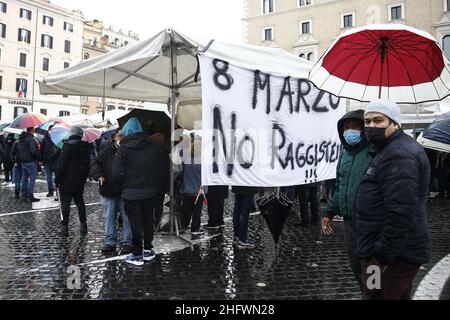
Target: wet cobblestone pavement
(35, 257)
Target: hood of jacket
(24, 136)
(133, 126)
(353, 115)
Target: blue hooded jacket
(132, 126)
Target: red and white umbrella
(392, 61)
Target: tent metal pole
(104, 93)
(173, 100)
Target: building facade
(37, 38)
(98, 40)
(308, 27)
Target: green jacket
(350, 170)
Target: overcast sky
(218, 19)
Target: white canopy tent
(424, 113)
(164, 69)
(147, 70)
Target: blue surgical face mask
(353, 137)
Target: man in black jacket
(137, 169)
(110, 198)
(72, 172)
(390, 217)
(28, 153)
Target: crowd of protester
(381, 189)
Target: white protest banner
(266, 130)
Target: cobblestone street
(308, 265)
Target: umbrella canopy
(439, 130)
(107, 134)
(392, 61)
(28, 120)
(60, 132)
(151, 121)
(91, 134)
(52, 122)
(275, 210)
(3, 126)
(437, 135)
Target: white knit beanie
(387, 107)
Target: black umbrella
(275, 208)
(151, 121)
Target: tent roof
(142, 71)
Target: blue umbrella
(439, 130)
(109, 133)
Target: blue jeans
(17, 172)
(49, 175)
(111, 206)
(29, 172)
(242, 206)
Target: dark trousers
(443, 183)
(396, 282)
(350, 243)
(7, 173)
(242, 207)
(159, 207)
(193, 210)
(216, 203)
(308, 194)
(140, 216)
(66, 199)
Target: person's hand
(326, 226)
(101, 181)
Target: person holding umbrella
(390, 207)
(72, 171)
(350, 170)
(137, 170)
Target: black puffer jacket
(27, 148)
(390, 210)
(72, 169)
(7, 163)
(138, 167)
(102, 167)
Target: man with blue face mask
(350, 170)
